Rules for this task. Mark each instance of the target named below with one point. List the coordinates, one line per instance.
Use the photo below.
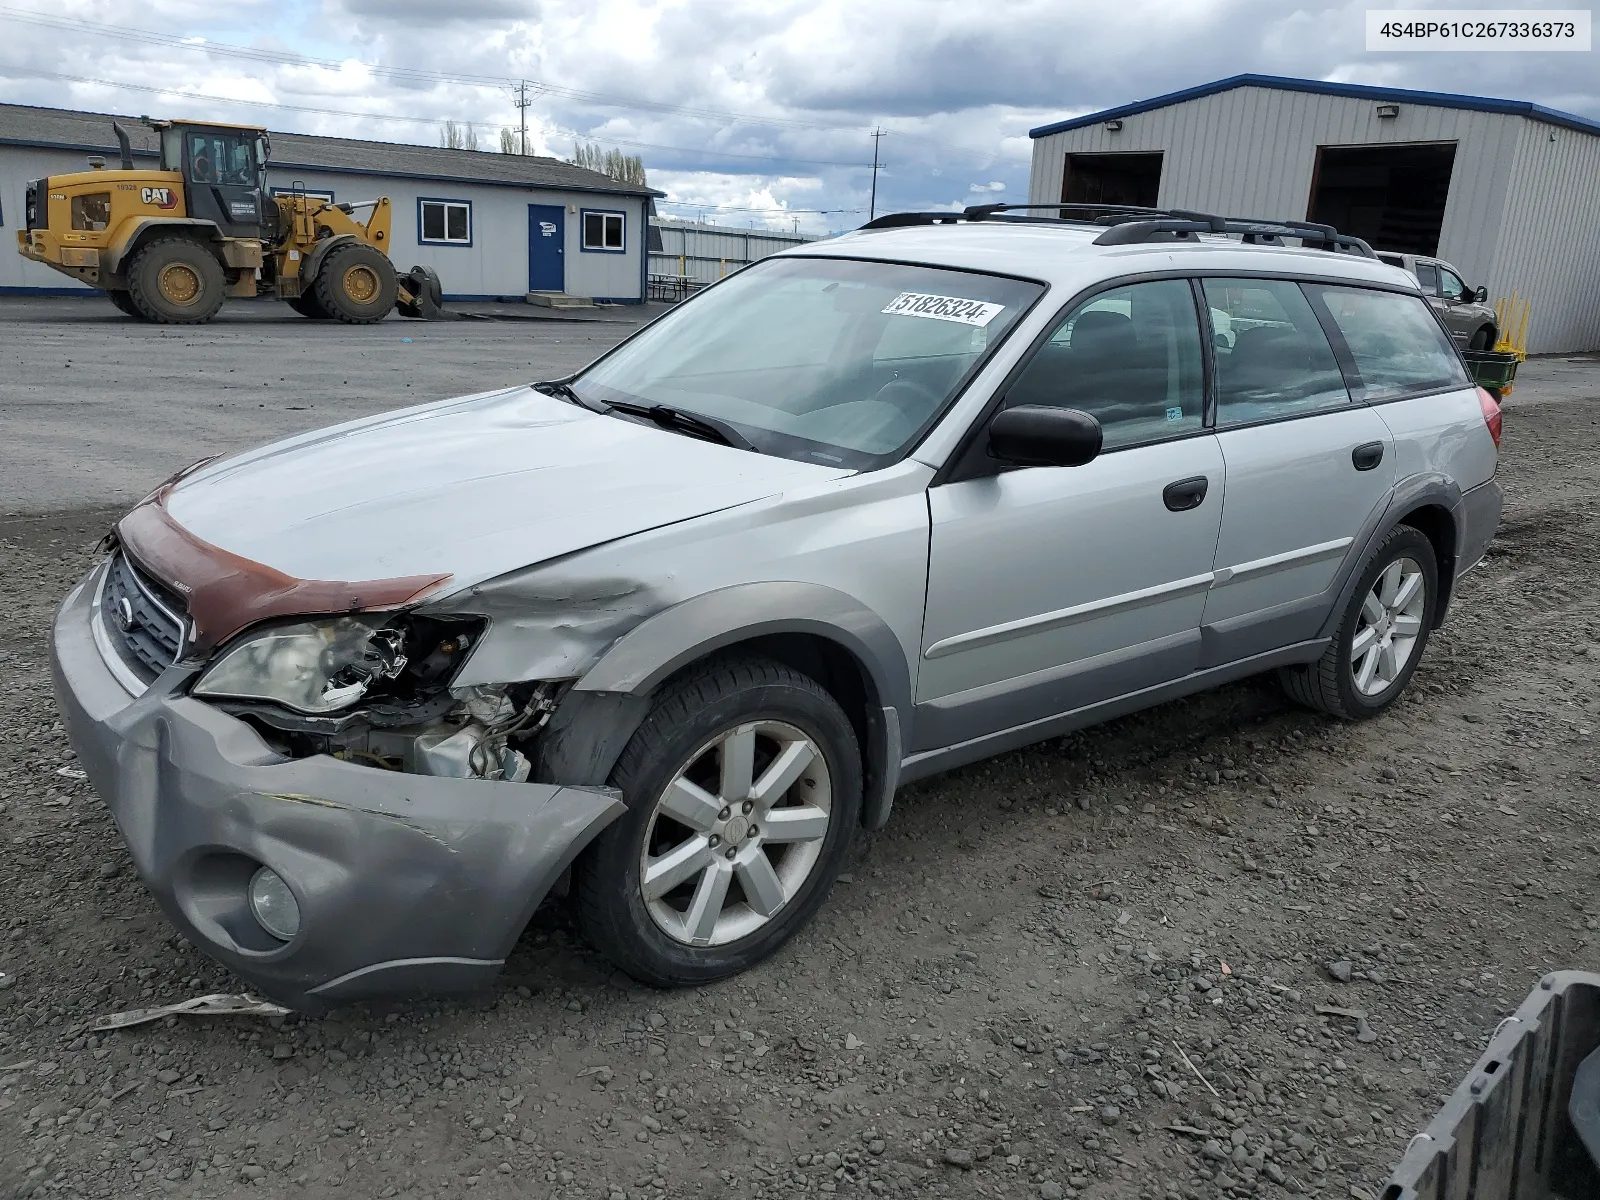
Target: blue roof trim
(1355, 91)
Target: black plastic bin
(1495, 370)
(1507, 1133)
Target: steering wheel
(915, 400)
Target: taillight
(1491, 414)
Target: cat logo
(160, 197)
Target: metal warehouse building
(1505, 190)
(495, 226)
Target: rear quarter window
(1396, 342)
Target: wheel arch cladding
(1439, 526)
(817, 630)
(202, 233)
(1437, 498)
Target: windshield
(819, 359)
(216, 156)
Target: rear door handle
(1367, 456)
(1185, 493)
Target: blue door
(547, 264)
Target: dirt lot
(999, 997)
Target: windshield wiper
(710, 428)
(565, 391)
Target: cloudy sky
(746, 111)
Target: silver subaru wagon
(682, 622)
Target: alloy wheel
(1389, 626)
(736, 833)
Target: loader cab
(224, 169)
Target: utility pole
(872, 205)
(523, 101)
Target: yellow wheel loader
(169, 245)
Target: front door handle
(1367, 456)
(1185, 493)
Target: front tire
(356, 284)
(1482, 340)
(176, 281)
(1381, 637)
(743, 787)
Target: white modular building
(494, 226)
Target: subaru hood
(468, 488)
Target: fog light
(274, 905)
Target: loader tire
(176, 281)
(124, 303)
(307, 305)
(356, 284)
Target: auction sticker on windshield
(944, 308)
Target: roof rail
(982, 212)
(1131, 224)
(1132, 230)
(901, 219)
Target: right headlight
(314, 667)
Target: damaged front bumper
(406, 883)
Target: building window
(444, 222)
(604, 231)
(308, 193)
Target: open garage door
(1392, 196)
(1111, 179)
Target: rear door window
(1396, 341)
(1273, 359)
(1428, 277)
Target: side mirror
(1037, 435)
(1481, 295)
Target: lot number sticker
(944, 308)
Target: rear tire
(307, 306)
(123, 302)
(743, 788)
(176, 281)
(356, 284)
(1381, 637)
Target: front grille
(144, 620)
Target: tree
(624, 168)
(508, 141)
(458, 137)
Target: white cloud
(957, 86)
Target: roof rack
(1131, 224)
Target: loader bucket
(421, 295)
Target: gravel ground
(1093, 968)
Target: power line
(372, 116)
(735, 208)
(407, 74)
(178, 42)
